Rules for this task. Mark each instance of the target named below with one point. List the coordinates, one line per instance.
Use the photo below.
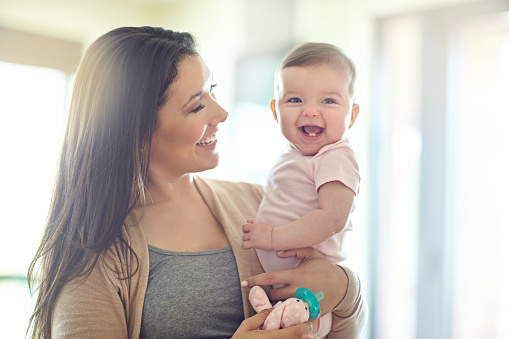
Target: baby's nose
(310, 112)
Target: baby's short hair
(319, 53)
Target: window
(481, 301)
(439, 168)
(31, 125)
(395, 169)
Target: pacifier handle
(311, 299)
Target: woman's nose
(220, 114)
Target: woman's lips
(207, 141)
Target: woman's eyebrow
(192, 98)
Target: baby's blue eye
(329, 101)
(212, 87)
(294, 100)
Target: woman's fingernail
(243, 283)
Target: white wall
(219, 25)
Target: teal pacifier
(311, 299)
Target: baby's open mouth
(311, 131)
(207, 141)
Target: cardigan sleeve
(90, 308)
(349, 318)
(105, 304)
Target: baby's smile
(311, 131)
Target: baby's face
(313, 107)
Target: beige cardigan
(105, 306)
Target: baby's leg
(324, 325)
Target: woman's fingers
(250, 329)
(265, 279)
(256, 321)
(305, 253)
(303, 330)
(314, 272)
(287, 277)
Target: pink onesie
(292, 191)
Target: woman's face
(185, 137)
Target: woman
(135, 245)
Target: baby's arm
(335, 202)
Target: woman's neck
(161, 190)
(176, 218)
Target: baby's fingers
(246, 244)
(246, 228)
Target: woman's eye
(329, 101)
(212, 87)
(197, 109)
(295, 100)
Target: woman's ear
(273, 108)
(355, 113)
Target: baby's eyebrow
(334, 93)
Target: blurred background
(430, 231)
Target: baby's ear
(355, 113)
(273, 108)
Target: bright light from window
(31, 122)
(481, 296)
(503, 198)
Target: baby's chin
(306, 149)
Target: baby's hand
(257, 234)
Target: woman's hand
(315, 272)
(250, 328)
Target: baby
(311, 188)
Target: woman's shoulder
(232, 203)
(234, 188)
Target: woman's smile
(207, 141)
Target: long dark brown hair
(119, 86)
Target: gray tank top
(192, 295)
